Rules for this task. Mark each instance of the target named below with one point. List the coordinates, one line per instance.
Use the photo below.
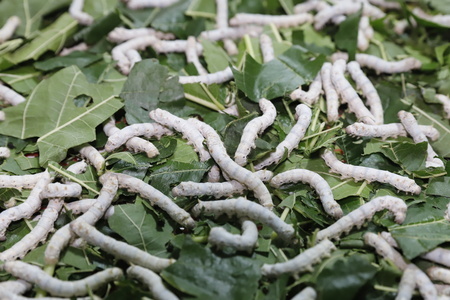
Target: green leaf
(125, 156)
(23, 80)
(87, 180)
(8, 193)
(77, 58)
(233, 132)
(439, 186)
(184, 153)
(200, 273)
(347, 36)
(216, 58)
(100, 28)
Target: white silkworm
(322, 188)
(230, 47)
(330, 93)
(78, 167)
(138, 4)
(440, 274)
(310, 5)
(10, 96)
(348, 93)
(27, 208)
(77, 47)
(362, 41)
(134, 144)
(365, 212)
(313, 94)
(21, 181)
(61, 190)
(189, 131)
(119, 52)
(370, 174)
(192, 56)
(17, 286)
(7, 31)
(231, 32)
(438, 255)
(232, 169)
(385, 131)
(179, 46)
(119, 249)
(407, 284)
(252, 129)
(386, 4)
(413, 129)
(121, 34)
(38, 233)
(58, 287)
(217, 77)
(302, 262)
(152, 281)
(443, 20)
(426, 287)
(368, 90)
(306, 294)
(93, 157)
(222, 23)
(292, 139)
(265, 43)
(213, 174)
(221, 238)
(246, 209)
(278, 21)
(148, 130)
(76, 11)
(365, 33)
(400, 26)
(133, 57)
(2, 115)
(389, 238)
(5, 152)
(384, 249)
(445, 100)
(81, 206)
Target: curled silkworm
(330, 93)
(148, 130)
(10, 96)
(7, 31)
(76, 11)
(279, 21)
(306, 294)
(368, 90)
(81, 206)
(119, 249)
(139, 43)
(407, 284)
(58, 287)
(229, 167)
(252, 129)
(231, 33)
(413, 129)
(189, 132)
(445, 100)
(78, 47)
(221, 238)
(138, 4)
(292, 139)
(312, 95)
(217, 77)
(348, 93)
(121, 34)
(93, 157)
(310, 5)
(385, 131)
(265, 43)
(152, 281)
(322, 188)
(443, 20)
(302, 262)
(384, 249)
(365, 212)
(61, 190)
(246, 209)
(5, 152)
(192, 56)
(370, 174)
(438, 255)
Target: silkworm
(368, 90)
(93, 157)
(389, 238)
(6, 294)
(27, 208)
(38, 233)
(61, 190)
(58, 287)
(81, 206)
(400, 26)
(410, 123)
(440, 274)
(370, 174)
(322, 188)
(138, 43)
(445, 100)
(21, 181)
(10, 96)
(161, 46)
(362, 41)
(120, 250)
(76, 11)
(384, 249)
(228, 166)
(230, 47)
(278, 21)
(365, 212)
(217, 77)
(348, 93)
(192, 56)
(121, 34)
(221, 238)
(133, 57)
(302, 262)
(2, 115)
(252, 129)
(265, 43)
(231, 32)
(17, 286)
(313, 94)
(307, 293)
(5, 152)
(148, 130)
(407, 284)
(385, 131)
(386, 4)
(189, 131)
(310, 5)
(134, 144)
(438, 255)
(7, 31)
(138, 4)
(365, 33)
(443, 20)
(303, 114)
(330, 93)
(246, 209)
(222, 23)
(77, 47)
(213, 174)
(78, 167)
(152, 281)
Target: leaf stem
(249, 46)
(72, 178)
(211, 96)
(201, 101)
(321, 132)
(381, 47)
(276, 33)
(286, 106)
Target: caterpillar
(10, 96)
(139, 43)
(152, 281)
(133, 57)
(61, 190)
(438, 255)
(365, 33)
(5, 152)
(78, 47)
(385, 131)
(17, 286)
(81, 206)
(8, 29)
(121, 34)
(307, 293)
(93, 157)
(232, 33)
(217, 77)
(222, 23)
(445, 100)
(440, 274)
(21, 181)
(76, 11)
(192, 56)
(407, 284)
(440, 19)
(265, 43)
(221, 238)
(330, 93)
(312, 95)
(278, 21)
(138, 4)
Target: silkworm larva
(306, 294)
(330, 93)
(133, 56)
(265, 43)
(426, 287)
(217, 77)
(221, 238)
(279, 21)
(387, 236)
(93, 157)
(78, 47)
(7, 31)
(246, 209)
(407, 284)
(348, 93)
(438, 255)
(152, 281)
(179, 46)
(27, 208)
(81, 206)
(413, 129)
(312, 95)
(369, 91)
(5, 152)
(34, 274)
(2, 115)
(189, 132)
(252, 129)
(222, 23)
(362, 41)
(20, 181)
(76, 11)
(310, 5)
(192, 56)
(445, 100)
(78, 167)
(213, 174)
(61, 190)
(37, 234)
(10, 96)
(292, 139)
(228, 166)
(365, 212)
(322, 188)
(121, 34)
(370, 174)
(138, 4)
(6, 294)
(302, 262)
(17, 286)
(138, 43)
(440, 274)
(386, 4)
(384, 249)
(364, 26)
(119, 249)
(385, 131)
(443, 20)
(230, 47)
(231, 32)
